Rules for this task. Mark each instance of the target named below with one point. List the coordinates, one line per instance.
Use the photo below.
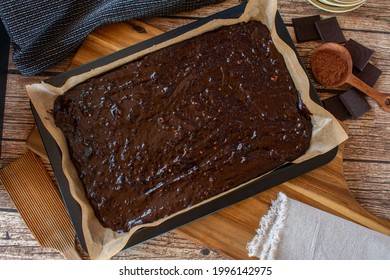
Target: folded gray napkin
(44, 31)
(292, 230)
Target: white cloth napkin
(292, 230)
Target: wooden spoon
(332, 66)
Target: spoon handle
(382, 99)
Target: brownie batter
(183, 124)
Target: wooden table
(366, 155)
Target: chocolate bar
(330, 31)
(359, 53)
(355, 102)
(369, 75)
(305, 30)
(336, 108)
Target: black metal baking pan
(274, 178)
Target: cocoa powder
(329, 68)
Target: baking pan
(276, 177)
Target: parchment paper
(103, 243)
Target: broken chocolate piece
(304, 28)
(359, 53)
(355, 102)
(336, 108)
(330, 31)
(369, 75)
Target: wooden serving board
(230, 229)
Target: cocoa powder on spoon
(329, 67)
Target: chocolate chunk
(336, 108)
(330, 31)
(305, 30)
(355, 102)
(359, 53)
(369, 75)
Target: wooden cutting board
(230, 229)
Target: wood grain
(366, 159)
(104, 41)
(39, 202)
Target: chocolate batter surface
(183, 124)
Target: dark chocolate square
(336, 108)
(305, 30)
(369, 75)
(330, 31)
(355, 102)
(360, 54)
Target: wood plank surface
(366, 161)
